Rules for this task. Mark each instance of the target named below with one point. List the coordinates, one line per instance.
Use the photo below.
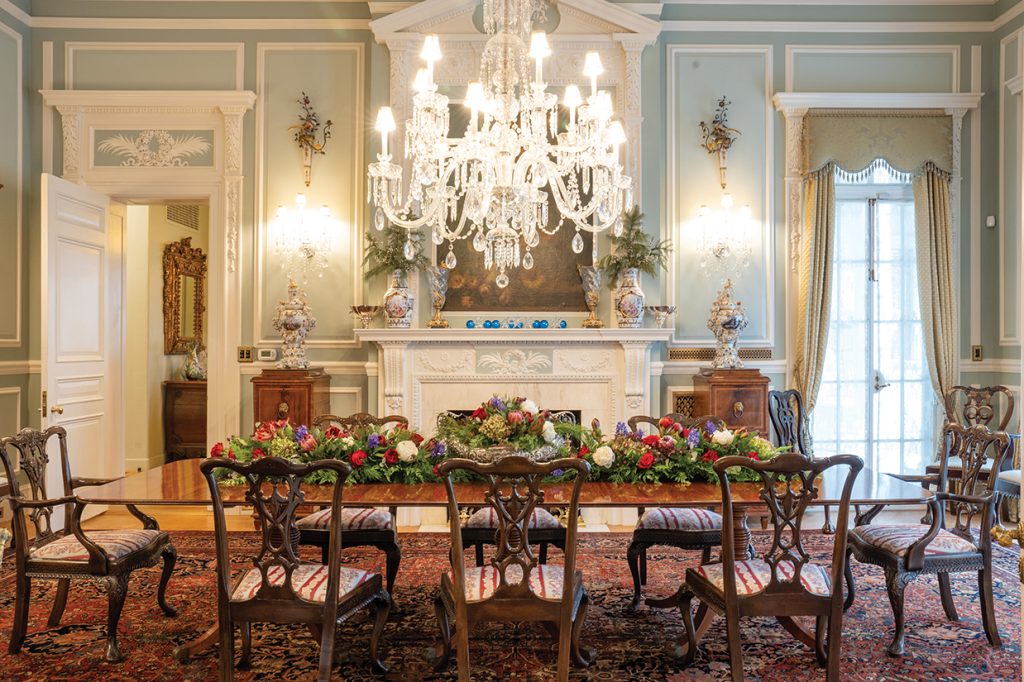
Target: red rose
(651, 439)
(646, 460)
(217, 450)
(686, 433)
(416, 438)
(258, 453)
(391, 456)
(710, 456)
(753, 455)
(231, 454)
(584, 451)
(332, 432)
(357, 458)
(436, 473)
(666, 422)
(479, 414)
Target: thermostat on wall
(266, 354)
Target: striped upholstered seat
(682, 518)
(754, 575)
(116, 543)
(898, 537)
(488, 518)
(357, 518)
(308, 580)
(546, 581)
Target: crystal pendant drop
(409, 250)
(437, 237)
(617, 230)
(501, 280)
(450, 261)
(528, 261)
(378, 219)
(577, 243)
(478, 241)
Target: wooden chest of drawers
(299, 395)
(739, 396)
(184, 419)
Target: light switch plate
(245, 353)
(976, 355)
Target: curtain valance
(853, 138)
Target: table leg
(205, 641)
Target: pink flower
(307, 443)
(264, 433)
(516, 417)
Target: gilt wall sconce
(718, 137)
(311, 136)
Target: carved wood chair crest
(968, 406)
(360, 420)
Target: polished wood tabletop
(181, 483)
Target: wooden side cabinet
(738, 396)
(298, 395)
(184, 419)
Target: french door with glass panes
(876, 399)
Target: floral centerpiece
(671, 453)
(376, 455)
(503, 426)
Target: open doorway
(166, 249)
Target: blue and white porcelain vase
(629, 300)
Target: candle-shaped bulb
(727, 200)
(385, 120)
(431, 51)
(300, 200)
(616, 134)
(592, 68)
(572, 98)
(539, 48)
(475, 98)
(422, 81)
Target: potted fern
(634, 251)
(398, 252)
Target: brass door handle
(56, 409)
(737, 409)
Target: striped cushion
(116, 543)
(898, 537)
(488, 518)
(365, 518)
(754, 575)
(679, 519)
(545, 581)
(308, 580)
(1011, 476)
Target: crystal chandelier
(495, 185)
(302, 238)
(725, 238)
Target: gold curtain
(935, 275)
(815, 292)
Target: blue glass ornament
(487, 324)
(470, 324)
(543, 324)
(562, 324)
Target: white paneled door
(81, 327)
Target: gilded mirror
(184, 296)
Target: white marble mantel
(604, 373)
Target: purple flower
(693, 439)
(301, 433)
(497, 403)
(621, 429)
(557, 472)
(373, 440)
(711, 427)
(438, 450)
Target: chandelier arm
(586, 210)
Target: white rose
(348, 442)
(604, 456)
(407, 450)
(548, 431)
(722, 437)
(529, 406)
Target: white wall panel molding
(333, 367)
(16, 12)
(218, 24)
(73, 49)
(691, 367)
(19, 188)
(1013, 88)
(1008, 16)
(16, 392)
(992, 366)
(877, 100)
(976, 180)
(19, 367)
(793, 53)
(828, 3)
(357, 224)
(698, 26)
(675, 217)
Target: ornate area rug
(631, 646)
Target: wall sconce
(718, 137)
(309, 135)
(725, 237)
(302, 238)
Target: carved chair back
(968, 406)
(788, 486)
(975, 446)
(513, 492)
(32, 460)
(686, 422)
(273, 486)
(789, 421)
(360, 420)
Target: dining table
(181, 483)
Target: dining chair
(905, 551)
(513, 586)
(480, 527)
(279, 587)
(107, 556)
(783, 582)
(363, 526)
(681, 527)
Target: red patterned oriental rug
(631, 646)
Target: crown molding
(177, 100)
(789, 101)
(829, 26)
